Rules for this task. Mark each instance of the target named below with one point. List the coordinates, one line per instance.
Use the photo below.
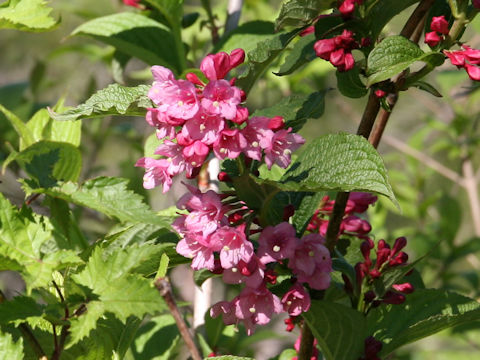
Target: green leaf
(296, 109)
(288, 354)
(339, 330)
(20, 127)
(422, 85)
(113, 100)
(48, 162)
(246, 36)
(81, 326)
(26, 15)
(171, 9)
(135, 35)
(108, 195)
(349, 83)
(310, 202)
(425, 312)
(395, 54)
(300, 13)
(9, 349)
(43, 127)
(381, 12)
(338, 162)
(302, 53)
(260, 58)
(19, 308)
(158, 339)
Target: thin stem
(416, 17)
(471, 187)
(335, 220)
(165, 290)
(369, 116)
(306, 346)
(59, 345)
(381, 123)
(211, 19)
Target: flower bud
(369, 296)
(392, 297)
(193, 78)
(400, 259)
(399, 244)
(223, 177)
(439, 24)
(276, 123)
(432, 39)
(405, 288)
(380, 93)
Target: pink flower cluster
(439, 27)
(348, 7)
(195, 119)
(353, 225)
(338, 50)
(386, 258)
(223, 246)
(466, 59)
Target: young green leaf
(27, 15)
(338, 162)
(349, 83)
(107, 195)
(301, 54)
(19, 308)
(171, 9)
(296, 109)
(113, 100)
(9, 349)
(339, 330)
(262, 56)
(135, 35)
(25, 134)
(300, 13)
(81, 326)
(425, 312)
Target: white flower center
(255, 144)
(234, 270)
(252, 310)
(311, 253)
(226, 248)
(276, 248)
(180, 103)
(216, 103)
(202, 127)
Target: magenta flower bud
(290, 324)
(476, 3)
(365, 249)
(193, 78)
(400, 259)
(432, 39)
(307, 31)
(399, 244)
(439, 24)
(392, 297)
(223, 177)
(375, 274)
(372, 347)
(382, 257)
(382, 244)
(365, 42)
(271, 276)
(405, 288)
(369, 296)
(288, 212)
(276, 123)
(348, 284)
(360, 272)
(235, 217)
(380, 93)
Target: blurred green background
(430, 147)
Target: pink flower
(258, 135)
(194, 155)
(134, 3)
(466, 59)
(156, 173)
(203, 127)
(202, 256)
(337, 50)
(432, 39)
(230, 143)
(347, 7)
(355, 225)
(324, 47)
(277, 243)
(227, 309)
(296, 300)
(358, 202)
(234, 245)
(311, 262)
(174, 153)
(216, 66)
(175, 98)
(220, 98)
(159, 120)
(251, 273)
(283, 144)
(439, 24)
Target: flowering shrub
(293, 227)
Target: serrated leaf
(9, 349)
(107, 195)
(19, 308)
(339, 330)
(383, 11)
(310, 202)
(425, 312)
(349, 83)
(262, 56)
(43, 127)
(81, 326)
(48, 162)
(301, 54)
(246, 36)
(26, 15)
(20, 127)
(113, 100)
(300, 13)
(395, 54)
(296, 109)
(338, 162)
(135, 35)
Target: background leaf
(113, 100)
(301, 54)
(9, 349)
(26, 15)
(300, 13)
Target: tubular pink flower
(258, 136)
(235, 246)
(203, 127)
(249, 273)
(174, 153)
(283, 144)
(358, 202)
(432, 39)
(160, 121)
(277, 243)
(216, 66)
(439, 24)
(324, 47)
(202, 256)
(230, 143)
(156, 173)
(195, 154)
(296, 300)
(466, 59)
(220, 98)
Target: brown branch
(306, 345)
(416, 17)
(381, 123)
(165, 290)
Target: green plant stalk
(177, 35)
(211, 19)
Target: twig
(32, 199)
(59, 345)
(211, 20)
(381, 123)
(416, 17)
(165, 290)
(306, 345)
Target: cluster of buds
(386, 258)
(215, 240)
(466, 59)
(351, 224)
(348, 7)
(372, 348)
(439, 27)
(195, 119)
(338, 50)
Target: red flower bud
(193, 78)
(224, 177)
(380, 93)
(375, 274)
(392, 297)
(439, 24)
(405, 288)
(369, 296)
(276, 123)
(400, 259)
(399, 244)
(432, 39)
(288, 212)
